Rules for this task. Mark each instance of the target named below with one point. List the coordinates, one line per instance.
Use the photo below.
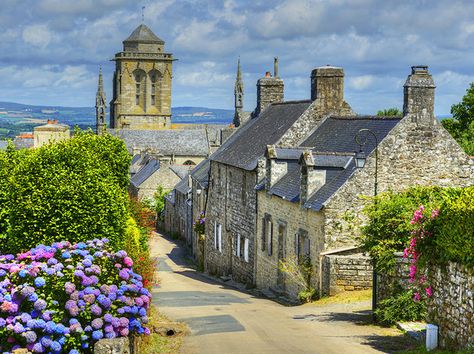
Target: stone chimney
(311, 178)
(274, 169)
(418, 97)
(269, 90)
(327, 85)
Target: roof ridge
(291, 102)
(366, 117)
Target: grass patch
(345, 297)
(157, 343)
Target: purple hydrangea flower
(38, 348)
(124, 274)
(96, 310)
(97, 323)
(56, 346)
(46, 341)
(40, 305)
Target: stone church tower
(142, 83)
(239, 97)
(100, 107)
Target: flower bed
(63, 298)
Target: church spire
(239, 97)
(100, 106)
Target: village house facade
(286, 183)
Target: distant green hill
(16, 117)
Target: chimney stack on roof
(269, 90)
(327, 85)
(418, 96)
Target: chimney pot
(267, 74)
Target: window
(219, 237)
(246, 250)
(155, 84)
(269, 236)
(237, 246)
(139, 76)
(215, 234)
(302, 245)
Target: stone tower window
(139, 87)
(155, 79)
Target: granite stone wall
(410, 155)
(452, 305)
(232, 204)
(288, 220)
(399, 278)
(345, 273)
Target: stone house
(178, 210)
(310, 202)
(239, 165)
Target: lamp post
(360, 159)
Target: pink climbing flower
(434, 213)
(417, 297)
(429, 291)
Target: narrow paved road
(225, 320)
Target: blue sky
(51, 49)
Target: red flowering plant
(422, 237)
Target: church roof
(185, 142)
(143, 34)
(145, 172)
(249, 143)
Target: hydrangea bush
(62, 298)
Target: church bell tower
(239, 97)
(142, 83)
(100, 107)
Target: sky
(51, 50)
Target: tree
(159, 199)
(73, 190)
(461, 126)
(390, 112)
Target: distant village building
(51, 132)
(286, 183)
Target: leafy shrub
(453, 230)
(67, 191)
(299, 272)
(136, 245)
(63, 298)
(389, 229)
(400, 307)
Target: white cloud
(361, 82)
(37, 35)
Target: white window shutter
(215, 234)
(219, 236)
(246, 250)
(238, 246)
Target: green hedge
(73, 190)
(454, 230)
(389, 229)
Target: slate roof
(180, 142)
(23, 143)
(143, 34)
(334, 135)
(200, 173)
(249, 143)
(183, 186)
(181, 170)
(145, 172)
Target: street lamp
(360, 159)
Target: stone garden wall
(345, 273)
(386, 284)
(452, 305)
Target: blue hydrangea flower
(55, 346)
(40, 282)
(96, 335)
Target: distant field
(16, 118)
